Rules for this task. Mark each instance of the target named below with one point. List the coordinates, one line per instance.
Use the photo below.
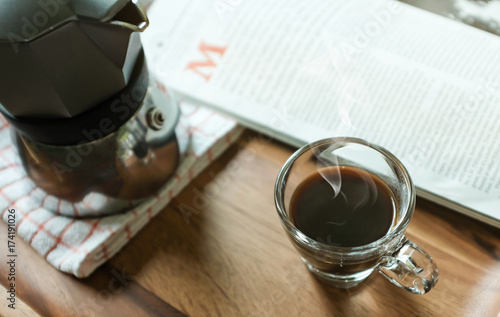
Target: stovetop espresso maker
(91, 126)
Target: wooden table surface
(219, 250)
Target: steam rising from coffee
(329, 167)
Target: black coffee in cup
(343, 207)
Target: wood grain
(20, 308)
(219, 250)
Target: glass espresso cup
(404, 263)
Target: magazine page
(299, 70)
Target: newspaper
(423, 86)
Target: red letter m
(205, 49)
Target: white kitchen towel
(78, 246)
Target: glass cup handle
(410, 268)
